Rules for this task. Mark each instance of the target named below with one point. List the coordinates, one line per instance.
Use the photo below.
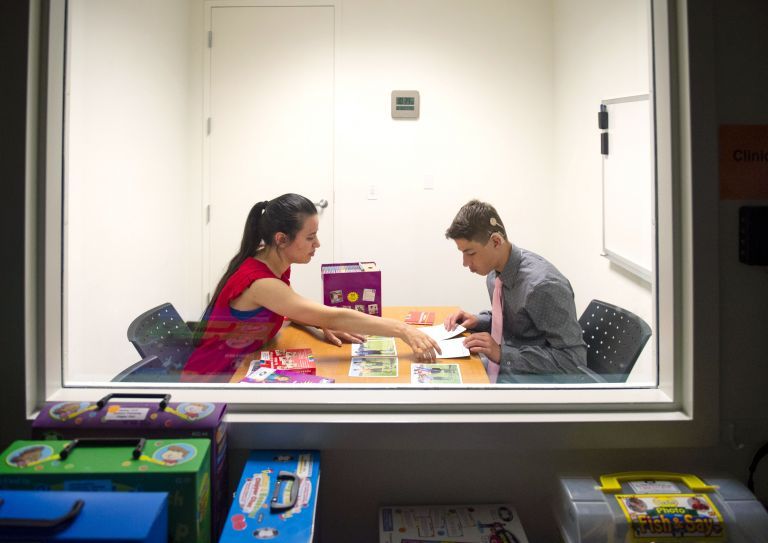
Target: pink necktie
(497, 326)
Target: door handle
(322, 204)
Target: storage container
(93, 517)
(658, 507)
(177, 466)
(121, 415)
(275, 499)
(353, 285)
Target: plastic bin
(658, 507)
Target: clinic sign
(744, 162)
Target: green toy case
(178, 466)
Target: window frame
(668, 411)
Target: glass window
(176, 118)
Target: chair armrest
(146, 369)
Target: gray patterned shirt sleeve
(541, 330)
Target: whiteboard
(628, 186)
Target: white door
(270, 92)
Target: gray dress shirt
(541, 330)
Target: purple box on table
(110, 418)
(354, 285)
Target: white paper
(453, 348)
(439, 333)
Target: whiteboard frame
(633, 267)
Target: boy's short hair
(476, 221)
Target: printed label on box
(117, 412)
(659, 516)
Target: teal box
(275, 499)
(178, 466)
(42, 516)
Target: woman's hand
(467, 320)
(335, 337)
(423, 346)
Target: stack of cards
(269, 375)
(377, 357)
(295, 360)
(420, 317)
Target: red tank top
(229, 333)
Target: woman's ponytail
(252, 235)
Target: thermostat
(405, 104)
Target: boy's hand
(482, 343)
(467, 320)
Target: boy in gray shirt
(540, 332)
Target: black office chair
(163, 340)
(615, 338)
(146, 370)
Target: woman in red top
(255, 295)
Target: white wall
(600, 52)
(133, 173)
(509, 92)
(484, 73)
(742, 79)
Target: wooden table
(334, 361)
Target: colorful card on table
(435, 374)
(375, 346)
(296, 360)
(380, 366)
(269, 375)
(420, 317)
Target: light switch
(372, 193)
(429, 182)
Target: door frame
(205, 192)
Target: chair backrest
(615, 338)
(163, 333)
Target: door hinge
(208, 126)
(208, 214)
(210, 39)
